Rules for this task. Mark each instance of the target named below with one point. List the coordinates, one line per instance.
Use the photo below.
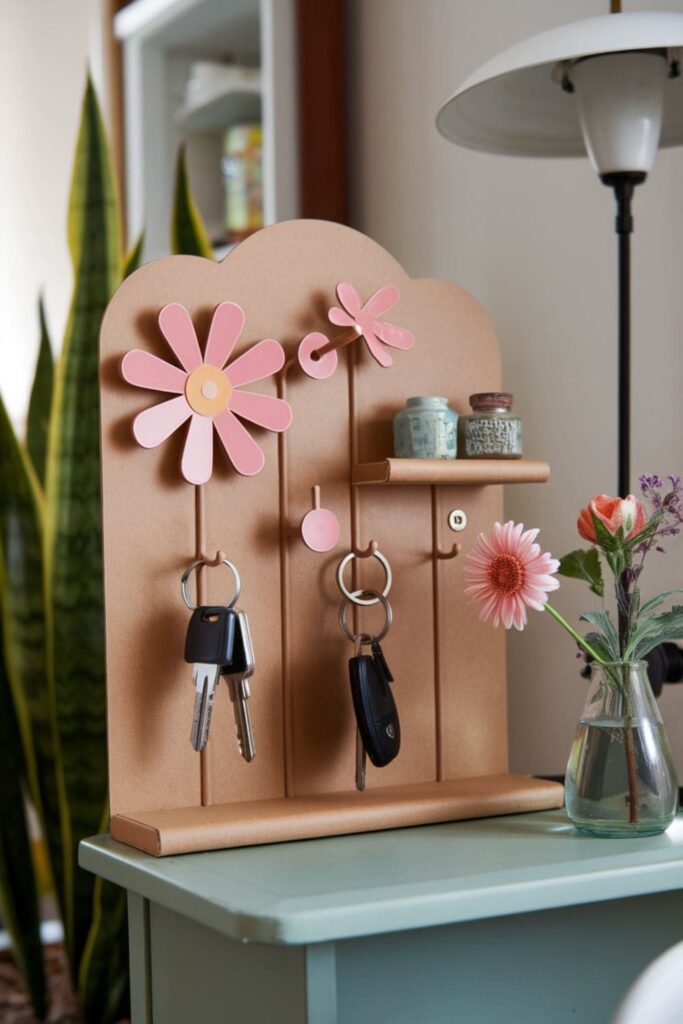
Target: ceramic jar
(491, 431)
(426, 429)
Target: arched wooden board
(450, 681)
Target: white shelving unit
(161, 39)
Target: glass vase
(621, 780)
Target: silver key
(237, 675)
(361, 753)
(206, 679)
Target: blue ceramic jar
(426, 429)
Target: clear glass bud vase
(621, 780)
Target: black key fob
(210, 635)
(381, 661)
(375, 710)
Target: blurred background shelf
(472, 472)
(236, 102)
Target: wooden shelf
(466, 472)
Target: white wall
(44, 52)
(533, 241)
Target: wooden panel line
(436, 573)
(201, 552)
(283, 498)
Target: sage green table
(514, 919)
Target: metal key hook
(354, 597)
(198, 562)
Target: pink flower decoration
(509, 573)
(208, 392)
(364, 320)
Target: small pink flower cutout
(208, 392)
(364, 320)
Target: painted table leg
(138, 940)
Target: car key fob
(375, 710)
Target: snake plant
(52, 672)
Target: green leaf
(600, 646)
(134, 257)
(18, 891)
(188, 234)
(73, 543)
(655, 602)
(25, 639)
(584, 565)
(40, 402)
(602, 621)
(654, 630)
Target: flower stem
(577, 636)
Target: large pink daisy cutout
(208, 391)
(509, 573)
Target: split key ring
(353, 598)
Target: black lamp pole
(623, 183)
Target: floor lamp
(608, 86)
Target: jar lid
(491, 400)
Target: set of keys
(218, 645)
(378, 733)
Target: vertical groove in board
(437, 630)
(285, 596)
(201, 552)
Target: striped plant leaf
(188, 234)
(133, 258)
(40, 402)
(25, 641)
(18, 895)
(73, 517)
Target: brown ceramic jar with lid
(491, 431)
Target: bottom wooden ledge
(253, 823)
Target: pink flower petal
(257, 362)
(382, 301)
(226, 327)
(178, 329)
(242, 450)
(266, 411)
(397, 337)
(147, 371)
(377, 349)
(349, 298)
(154, 425)
(337, 316)
(197, 460)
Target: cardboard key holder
(450, 668)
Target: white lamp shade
(515, 103)
(620, 98)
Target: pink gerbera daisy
(509, 573)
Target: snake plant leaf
(73, 539)
(18, 893)
(40, 402)
(134, 257)
(25, 640)
(188, 234)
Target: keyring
(195, 565)
(353, 596)
(353, 599)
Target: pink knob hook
(320, 528)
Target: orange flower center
(208, 390)
(506, 574)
